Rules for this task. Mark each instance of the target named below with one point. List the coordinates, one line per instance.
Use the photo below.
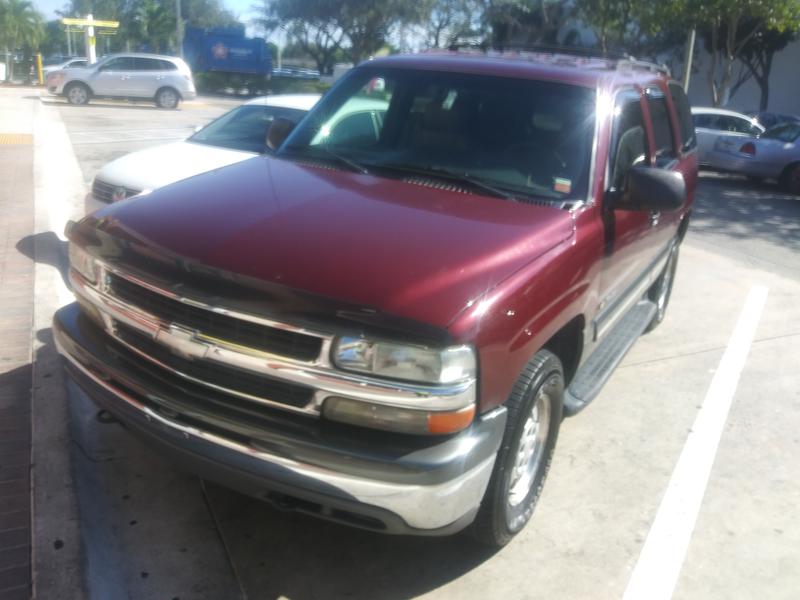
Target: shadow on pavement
(50, 246)
(741, 210)
(144, 105)
(288, 555)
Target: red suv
(384, 323)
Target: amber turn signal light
(450, 422)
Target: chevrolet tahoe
(384, 322)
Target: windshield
(244, 128)
(785, 133)
(523, 137)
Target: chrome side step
(594, 373)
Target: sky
(241, 8)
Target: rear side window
(168, 66)
(629, 145)
(705, 121)
(662, 130)
(738, 125)
(121, 63)
(685, 123)
(148, 64)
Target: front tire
(534, 416)
(167, 98)
(790, 180)
(77, 94)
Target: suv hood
(398, 248)
(158, 166)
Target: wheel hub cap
(531, 448)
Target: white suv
(165, 79)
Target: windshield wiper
(327, 153)
(438, 172)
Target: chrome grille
(104, 191)
(236, 380)
(223, 327)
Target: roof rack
(635, 63)
(616, 59)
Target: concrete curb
(56, 540)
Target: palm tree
(20, 25)
(150, 22)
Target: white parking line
(659, 565)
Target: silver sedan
(773, 155)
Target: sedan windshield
(245, 128)
(513, 138)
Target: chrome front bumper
(430, 489)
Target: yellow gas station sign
(88, 22)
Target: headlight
(83, 262)
(411, 363)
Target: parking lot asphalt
(152, 531)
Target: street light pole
(687, 59)
(179, 27)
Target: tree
(207, 13)
(310, 25)
(529, 22)
(756, 58)
(321, 27)
(149, 24)
(54, 39)
(447, 22)
(633, 27)
(728, 28)
(20, 25)
(367, 23)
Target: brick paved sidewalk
(16, 321)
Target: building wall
(784, 84)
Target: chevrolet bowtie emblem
(182, 342)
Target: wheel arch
(78, 82)
(567, 344)
(168, 87)
(786, 170)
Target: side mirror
(650, 188)
(278, 131)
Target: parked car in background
(712, 123)
(235, 136)
(773, 155)
(67, 64)
(165, 79)
(768, 120)
(296, 72)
